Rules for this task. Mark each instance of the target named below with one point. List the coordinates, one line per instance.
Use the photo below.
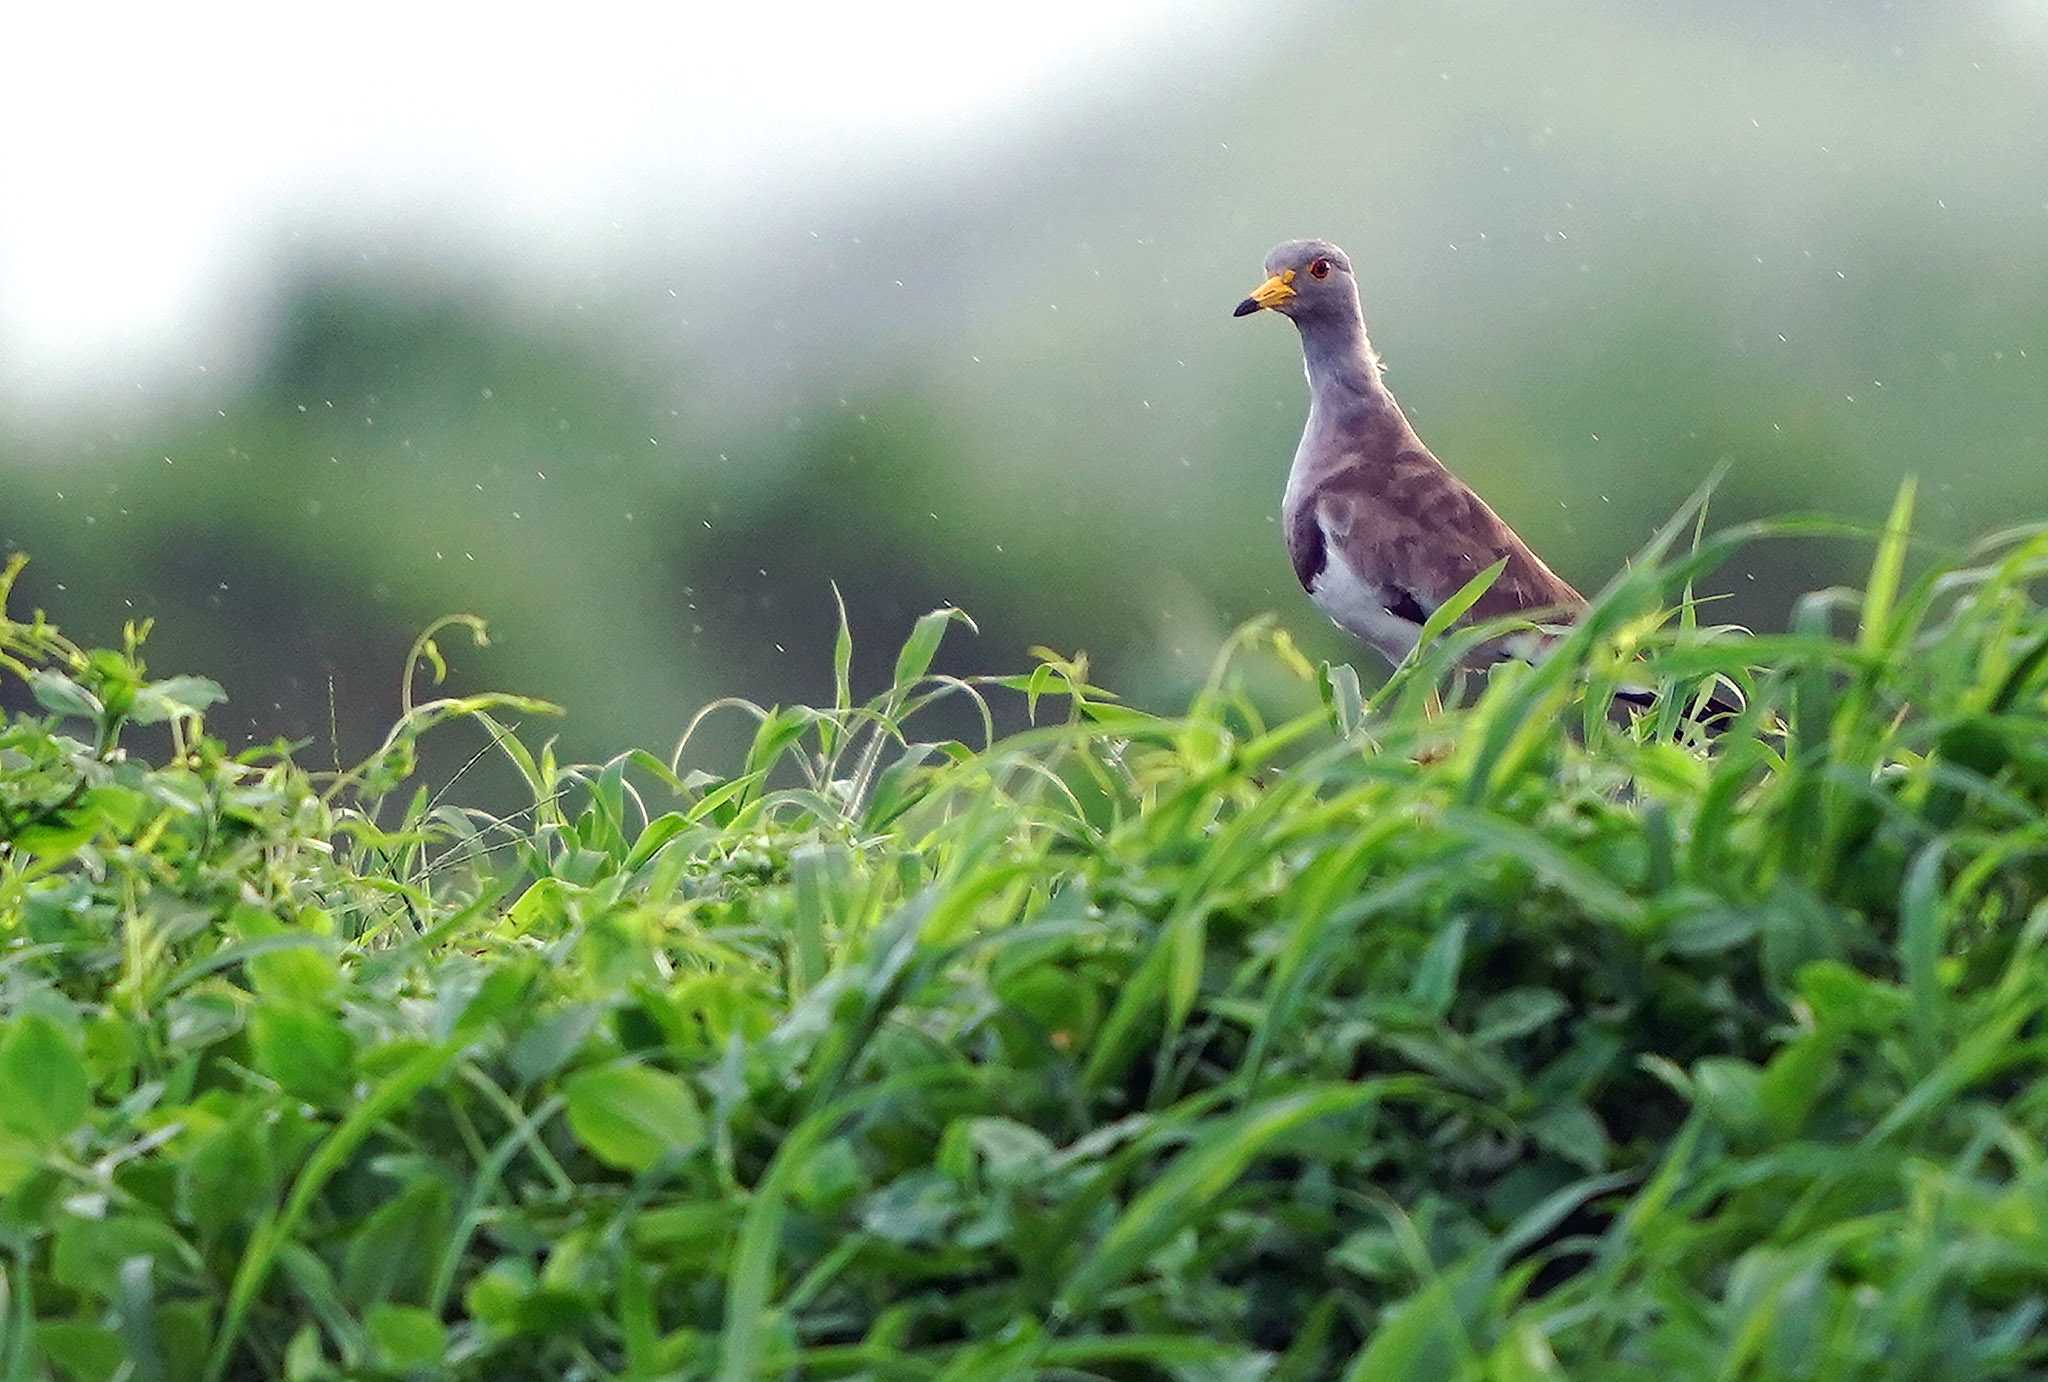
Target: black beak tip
(1246, 308)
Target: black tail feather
(1718, 707)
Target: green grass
(1512, 1042)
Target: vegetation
(1509, 1041)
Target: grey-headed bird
(1380, 533)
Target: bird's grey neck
(1339, 358)
(1352, 419)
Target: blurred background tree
(633, 333)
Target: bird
(1379, 531)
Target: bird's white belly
(1360, 608)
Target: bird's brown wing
(1415, 531)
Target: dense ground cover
(1510, 1041)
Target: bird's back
(1381, 520)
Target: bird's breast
(1359, 606)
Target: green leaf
(1883, 587)
(19, 1159)
(45, 1090)
(297, 971)
(1209, 1167)
(823, 875)
(1423, 1338)
(56, 692)
(1337, 683)
(1794, 1080)
(657, 833)
(1572, 1131)
(1517, 1013)
(828, 1179)
(229, 1176)
(1466, 596)
(1435, 981)
(1921, 933)
(915, 658)
(120, 809)
(1845, 1000)
(913, 1211)
(274, 1235)
(307, 1051)
(895, 786)
(1708, 932)
(162, 700)
(88, 1255)
(553, 1040)
(1011, 1153)
(842, 677)
(138, 1317)
(1729, 1090)
(406, 1337)
(390, 1256)
(780, 729)
(631, 1117)
(82, 1352)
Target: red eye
(1319, 269)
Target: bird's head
(1304, 279)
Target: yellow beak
(1271, 293)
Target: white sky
(150, 155)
